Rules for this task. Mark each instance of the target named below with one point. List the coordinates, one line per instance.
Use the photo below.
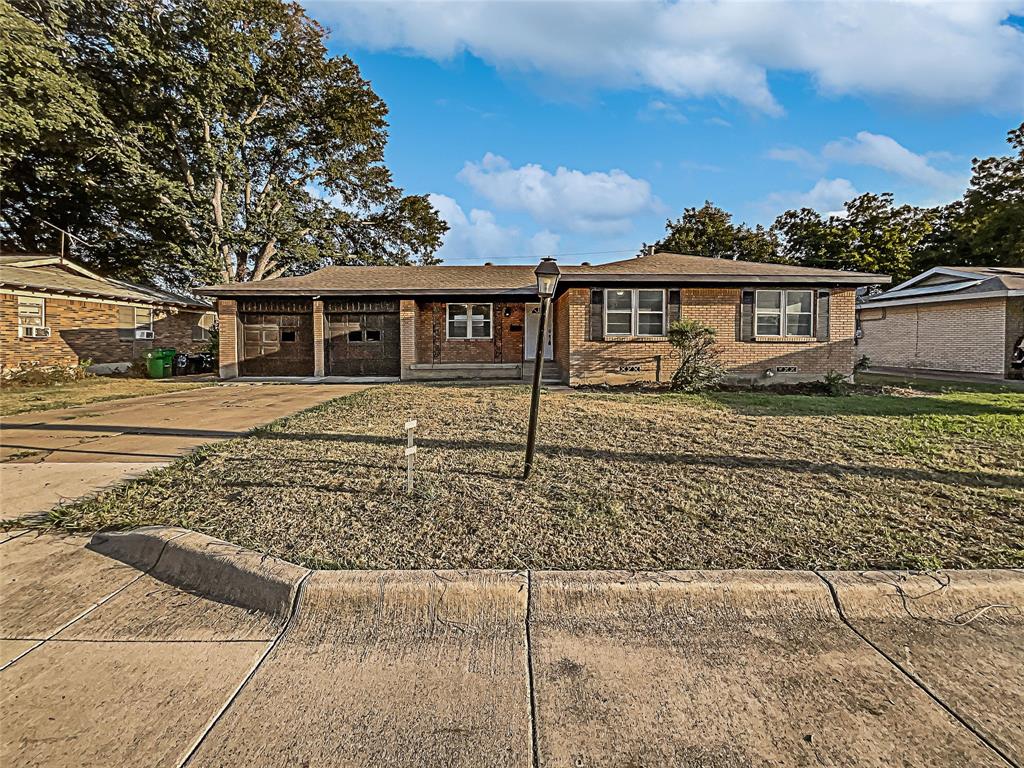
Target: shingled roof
(46, 273)
(519, 280)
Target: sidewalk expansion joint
(92, 607)
(252, 673)
(534, 738)
(912, 677)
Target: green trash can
(155, 363)
(168, 354)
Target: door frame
(530, 332)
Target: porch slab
(961, 633)
(389, 668)
(722, 668)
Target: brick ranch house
(961, 319)
(608, 321)
(54, 312)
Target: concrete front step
(210, 654)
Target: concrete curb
(207, 566)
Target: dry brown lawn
(637, 481)
(17, 398)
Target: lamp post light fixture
(547, 273)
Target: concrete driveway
(168, 648)
(53, 456)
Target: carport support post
(319, 347)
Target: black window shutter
(746, 330)
(824, 297)
(597, 314)
(674, 309)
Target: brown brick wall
(319, 334)
(228, 337)
(969, 336)
(600, 361)
(433, 346)
(407, 332)
(88, 330)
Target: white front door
(530, 341)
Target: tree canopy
(873, 233)
(199, 140)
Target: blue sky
(578, 127)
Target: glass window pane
(481, 311)
(458, 330)
(372, 335)
(481, 329)
(650, 325)
(620, 322)
(798, 325)
(798, 301)
(354, 336)
(619, 300)
(769, 299)
(768, 325)
(651, 301)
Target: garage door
(364, 339)
(276, 344)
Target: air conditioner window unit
(35, 331)
(143, 334)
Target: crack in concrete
(534, 736)
(912, 677)
(93, 607)
(252, 673)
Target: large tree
(232, 146)
(872, 235)
(709, 231)
(987, 225)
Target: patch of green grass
(640, 480)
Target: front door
(530, 340)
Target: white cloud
(826, 196)
(596, 202)
(940, 53)
(656, 109)
(477, 236)
(886, 153)
(798, 156)
(544, 243)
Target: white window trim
(42, 311)
(783, 324)
(469, 321)
(634, 321)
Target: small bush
(699, 367)
(862, 365)
(836, 385)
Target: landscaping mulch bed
(622, 480)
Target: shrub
(836, 384)
(699, 366)
(862, 365)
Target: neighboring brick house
(608, 321)
(960, 319)
(55, 312)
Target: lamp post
(547, 273)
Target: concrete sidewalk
(168, 648)
(54, 456)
